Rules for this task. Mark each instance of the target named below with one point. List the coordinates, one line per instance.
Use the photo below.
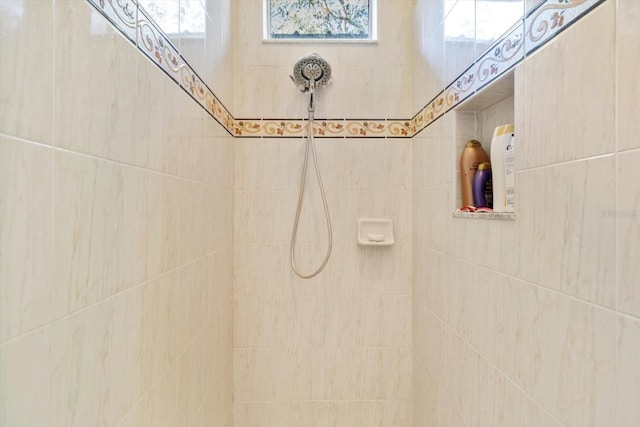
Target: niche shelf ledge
(505, 216)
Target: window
(482, 21)
(320, 19)
(186, 17)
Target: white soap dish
(375, 232)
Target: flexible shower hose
(311, 143)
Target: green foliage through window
(319, 19)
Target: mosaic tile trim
(539, 26)
(551, 17)
(339, 128)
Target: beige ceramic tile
(565, 357)
(219, 155)
(626, 215)
(458, 282)
(159, 323)
(266, 217)
(386, 413)
(460, 376)
(95, 363)
(436, 205)
(627, 66)
(261, 271)
(194, 376)
(158, 127)
(579, 57)
(193, 237)
(567, 239)
(376, 321)
(105, 128)
(194, 301)
(434, 162)
(24, 380)
(26, 80)
(427, 357)
(502, 404)
(192, 162)
(361, 373)
(219, 221)
(273, 374)
(500, 305)
(628, 372)
(297, 321)
(161, 221)
(496, 115)
(158, 406)
(99, 233)
(378, 272)
(26, 236)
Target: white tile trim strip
(539, 26)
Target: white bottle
(503, 167)
(510, 169)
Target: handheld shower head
(311, 71)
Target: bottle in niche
(472, 155)
(482, 190)
(503, 165)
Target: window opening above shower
(186, 18)
(320, 20)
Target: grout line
(566, 162)
(411, 131)
(537, 285)
(616, 185)
(54, 142)
(110, 297)
(507, 377)
(328, 347)
(319, 401)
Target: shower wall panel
(335, 349)
(371, 80)
(116, 210)
(534, 322)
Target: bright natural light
(319, 19)
(184, 17)
(490, 20)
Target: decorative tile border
(142, 31)
(539, 26)
(322, 128)
(552, 17)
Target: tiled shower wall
(536, 322)
(336, 349)
(116, 210)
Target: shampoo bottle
(472, 155)
(510, 173)
(482, 191)
(503, 168)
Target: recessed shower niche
(476, 119)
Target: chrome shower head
(311, 71)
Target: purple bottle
(482, 190)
